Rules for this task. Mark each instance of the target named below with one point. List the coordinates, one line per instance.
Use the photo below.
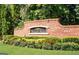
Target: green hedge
(48, 43)
(66, 46)
(71, 39)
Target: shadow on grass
(1, 53)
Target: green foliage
(11, 16)
(38, 45)
(57, 46)
(45, 11)
(52, 40)
(34, 42)
(66, 46)
(71, 39)
(48, 43)
(47, 46)
(70, 46)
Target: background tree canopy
(68, 14)
(12, 16)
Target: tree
(77, 14)
(11, 17)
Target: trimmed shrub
(71, 39)
(51, 40)
(38, 46)
(57, 46)
(70, 46)
(47, 46)
(22, 43)
(66, 46)
(48, 43)
(30, 44)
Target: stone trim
(37, 33)
(38, 26)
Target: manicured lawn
(14, 50)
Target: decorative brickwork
(53, 28)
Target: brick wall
(54, 28)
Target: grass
(15, 50)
